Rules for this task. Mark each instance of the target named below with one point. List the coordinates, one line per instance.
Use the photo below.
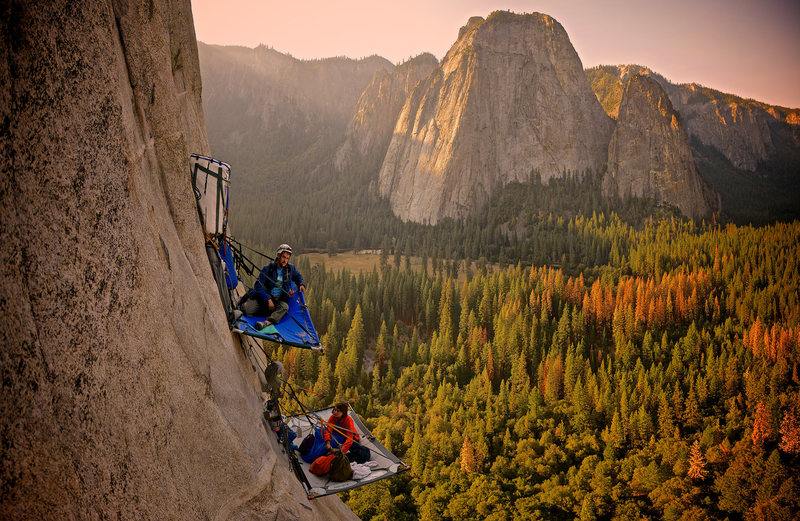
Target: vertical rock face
(649, 153)
(370, 129)
(510, 97)
(738, 129)
(124, 394)
(744, 131)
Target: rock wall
(741, 129)
(510, 97)
(370, 128)
(649, 153)
(738, 129)
(124, 395)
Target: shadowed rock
(370, 129)
(124, 394)
(649, 153)
(743, 130)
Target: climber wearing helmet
(270, 295)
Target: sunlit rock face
(739, 130)
(124, 394)
(649, 154)
(743, 130)
(508, 99)
(370, 128)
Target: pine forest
(661, 382)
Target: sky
(750, 48)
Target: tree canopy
(660, 380)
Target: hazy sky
(746, 47)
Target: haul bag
(211, 180)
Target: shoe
(262, 325)
(233, 324)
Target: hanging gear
(273, 373)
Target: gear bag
(322, 464)
(340, 469)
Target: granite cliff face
(649, 153)
(510, 97)
(370, 129)
(124, 394)
(743, 130)
(740, 129)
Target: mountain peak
(509, 98)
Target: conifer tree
(666, 420)
(644, 424)
(761, 425)
(356, 337)
(691, 415)
(697, 463)
(562, 333)
(616, 433)
(790, 432)
(468, 460)
(349, 361)
(324, 382)
(587, 509)
(381, 354)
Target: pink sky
(750, 48)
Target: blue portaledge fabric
(231, 278)
(295, 329)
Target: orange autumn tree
(697, 463)
(790, 432)
(469, 461)
(761, 425)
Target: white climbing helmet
(284, 247)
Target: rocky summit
(124, 394)
(649, 153)
(509, 99)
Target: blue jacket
(265, 282)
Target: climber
(270, 295)
(344, 434)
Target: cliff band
(649, 153)
(124, 395)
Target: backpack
(359, 453)
(322, 464)
(340, 469)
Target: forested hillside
(521, 223)
(658, 382)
